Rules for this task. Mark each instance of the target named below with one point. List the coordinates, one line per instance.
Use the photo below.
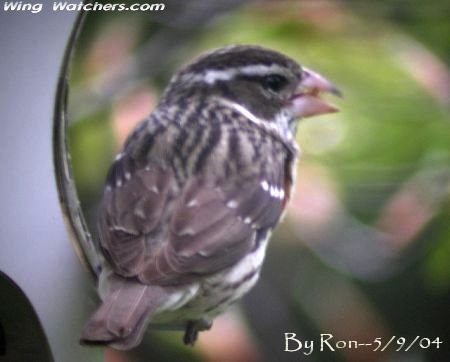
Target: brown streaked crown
(259, 79)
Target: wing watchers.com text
(22, 6)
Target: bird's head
(260, 83)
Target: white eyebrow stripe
(214, 75)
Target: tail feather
(121, 319)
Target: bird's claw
(193, 327)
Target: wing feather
(213, 226)
(160, 236)
(131, 210)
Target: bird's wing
(213, 226)
(209, 226)
(131, 210)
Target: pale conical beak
(306, 101)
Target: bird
(190, 201)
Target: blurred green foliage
(91, 150)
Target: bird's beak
(306, 101)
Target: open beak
(306, 101)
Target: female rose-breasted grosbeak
(191, 200)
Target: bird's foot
(193, 327)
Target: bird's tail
(122, 318)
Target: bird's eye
(274, 82)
